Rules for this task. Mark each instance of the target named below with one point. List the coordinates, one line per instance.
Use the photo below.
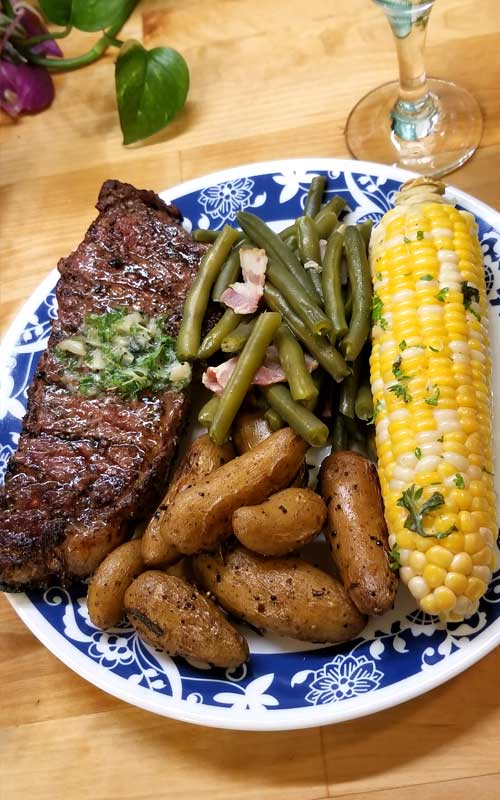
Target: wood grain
(268, 80)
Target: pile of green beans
(312, 309)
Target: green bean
(263, 236)
(355, 429)
(195, 306)
(326, 222)
(356, 432)
(332, 285)
(291, 356)
(273, 419)
(364, 402)
(235, 340)
(371, 447)
(339, 435)
(287, 232)
(230, 270)
(329, 358)
(313, 401)
(361, 283)
(308, 240)
(315, 195)
(250, 359)
(207, 412)
(365, 229)
(348, 390)
(310, 313)
(316, 280)
(204, 235)
(309, 250)
(208, 236)
(213, 340)
(304, 422)
(347, 295)
(291, 242)
(336, 204)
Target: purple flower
(34, 26)
(24, 88)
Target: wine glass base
(454, 136)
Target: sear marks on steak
(87, 469)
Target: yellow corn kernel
(455, 542)
(475, 589)
(462, 563)
(439, 556)
(465, 523)
(428, 604)
(445, 598)
(473, 542)
(434, 575)
(456, 582)
(417, 562)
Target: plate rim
(226, 718)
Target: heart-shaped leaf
(88, 15)
(57, 11)
(151, 88)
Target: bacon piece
(244, 297)
(215, 378)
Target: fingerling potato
(282, 523)
(201, 517)
(201, 458)
(110, 581)
(249, 429)
(356, 530)
(173, 615)
(284, 595)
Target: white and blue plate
(286, 684)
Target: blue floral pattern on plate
(282, 677)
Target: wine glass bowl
(424, 124)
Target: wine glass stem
(415, 112)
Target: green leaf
(57, 11)
(88, 15)
(433, 399)
(441, 295)
(459, 481)
(95, 15)
(414, 519)
(394, 559)
(151, 88)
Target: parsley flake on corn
(434, 426)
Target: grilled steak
(88, 467)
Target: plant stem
(65, 64)
(47, 37)
(114, 42)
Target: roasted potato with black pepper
(173, 615)
(201, 458)
(249, 429)
(357, 532)
(110, 581)
(282, 523)
(201, 517)
(284, 595)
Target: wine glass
(424, 124)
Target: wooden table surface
(269, 79)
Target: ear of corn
(430, 374)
